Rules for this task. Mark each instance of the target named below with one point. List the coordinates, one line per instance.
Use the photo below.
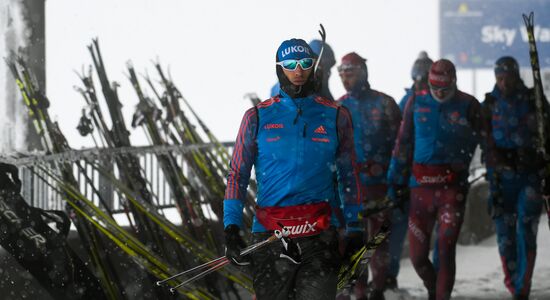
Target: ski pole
(349, 270)
(529, 21)
(210, 264)
(225, 261)
(222, 261)
(206, 264)
(323, 38)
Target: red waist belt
(300, 220)
(434, 174)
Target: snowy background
(218, 51)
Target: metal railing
(40, 190)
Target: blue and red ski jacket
(376, 119)
(403, 101)
(513, 129)
(297, 147)
(436, 140)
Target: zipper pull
(297, 115)
(304, 131)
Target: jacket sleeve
(402, 156)
(346, 168)
(405, 98)
(490, 155)
(240, 167)
(393, 114)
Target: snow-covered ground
(479, 274)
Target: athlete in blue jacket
(296, 142)
(376, 119)
(433, 151)
(515, 169)
(400, 217)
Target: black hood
(294, 91)
(361, 87)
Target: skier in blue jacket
(436, 141)
(376, 119)
(400, 217)
(296, 142)
(515, 169)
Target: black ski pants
(314, 278)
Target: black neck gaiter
(292, 90)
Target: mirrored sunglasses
(347, 67)
(292, 64)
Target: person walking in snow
(515, 170)
(376, 119)
(436, 141)
(400, 217)
(296, 142)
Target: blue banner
(474, 33)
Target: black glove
(399, 194)
(233, 246)
(494, 204)
(353, 242)
(291, 250)
(374, 207)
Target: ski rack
(39, 158)
(38, 194)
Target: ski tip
(172, 290)
(529, 19)
(158, 283)
(322, 32)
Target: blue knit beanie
(294, 49)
